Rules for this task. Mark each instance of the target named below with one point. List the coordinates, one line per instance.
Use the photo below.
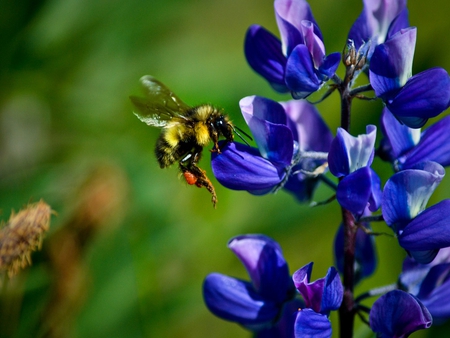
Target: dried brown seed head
(22, 235)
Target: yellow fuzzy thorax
(202, 113)
(175, 132)
(202, 134)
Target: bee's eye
(219, 123)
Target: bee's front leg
(215, 139)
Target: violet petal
(263, 52)
(391, 63)
(264, 261)
(349, 153)
(376, 21)
(429, 230)
(333, 292)
(434, 145)
(310, 291)
(310, 324)
(398, 314)
(407, 192)
(418, 99)
(310, 130)
(236, 300)
(300, 76)
(400, 138)
(289, 15)
(240, 167)
(359, 190)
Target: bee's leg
(196, 175)
(215, 139)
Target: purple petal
(330, 64)
(289, 15)
(274, 141)
(264, 109)
(311, 292)
(333, 292)
(240, 167)
(284, 327)
(322, 295)
(267, 121)
(430, 283)
(264, 261)
(436, 277)
(418, 99)
(412, 122)
(308, 127)
(310, 324)
(313, 43)
(434, 146)
(435, 291)
(312, 134)
(406, 193)
(391, 63)
(349, 153)
(376, 19)
(235, 300)
(300, 76)
(398, 314)
(359, 190)
(430, 230)
(376, 195)
(264, 55)
(362, 30)
(302, 275)
(400, 22)
(413, 273)
(398, 137)
(423, 256)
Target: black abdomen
(168, 155)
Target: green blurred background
(131, 243)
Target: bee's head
(220, 124)
(224, 127)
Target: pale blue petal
(391, 63)
(289, 15)
(407, 192)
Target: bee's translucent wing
(149, 113)
(159, 105)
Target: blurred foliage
(130, 244)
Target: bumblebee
(185, 130)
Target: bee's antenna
(237, 130)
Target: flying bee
(185, 130)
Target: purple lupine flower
(265, 303)
(378, 21)
(350, 157)
(321, 297)
(406, 147)
(430, 283)
(282, 131)
(365, 253)
(411, 99)
(397, 314)
(421, 231)
(298, 63)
